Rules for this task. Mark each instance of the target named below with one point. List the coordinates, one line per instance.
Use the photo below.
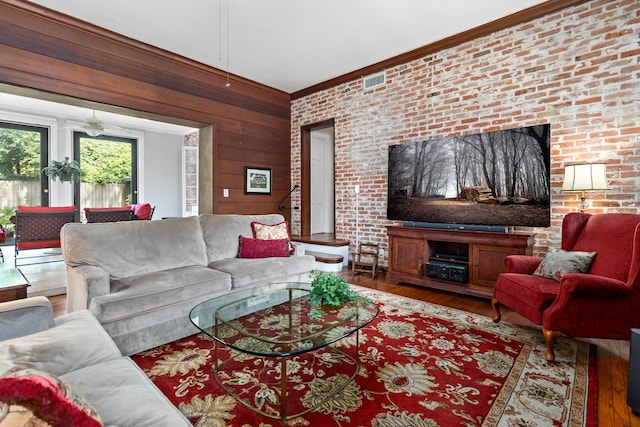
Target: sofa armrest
(299, 247)
(592, 286)
(85, 282)
(523, 264)
(24, 317)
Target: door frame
(305, 172)
(133, 141)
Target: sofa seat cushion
(147, 292)
(526, 294)
(249, 272)
(123, 395)
(75, 341)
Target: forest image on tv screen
(493, 178)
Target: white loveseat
(140, 279)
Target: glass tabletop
(12, 277)
(278, 320)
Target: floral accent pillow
(33, 397)
(272, 231)
(557, 262)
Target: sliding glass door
(109, 171)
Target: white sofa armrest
(84, 283)
(299, 247)
(24, 317)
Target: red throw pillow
(258, 248)
(47, 397)
(141, 210)
(273, 231)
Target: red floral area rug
(421, 365)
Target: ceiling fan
(95, 127)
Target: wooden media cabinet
(462, 261)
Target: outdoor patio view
(106, 163)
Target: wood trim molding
(455, 40)
(113, 37)
(52, 56)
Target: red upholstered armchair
(604, 302)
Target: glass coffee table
(13, 284)
(276, 323)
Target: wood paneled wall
(53, 56)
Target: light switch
(225, 192)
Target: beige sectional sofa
(140, 279)
(76, 349)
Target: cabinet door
(488, 263)
(408, 256)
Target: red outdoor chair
(604, 302)
(38, 227)
(108, 214)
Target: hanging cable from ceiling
(228, 83)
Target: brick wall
(577, 69)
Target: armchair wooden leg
(550, 337)
(496, 310)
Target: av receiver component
(448, 271)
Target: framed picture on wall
(257, 180)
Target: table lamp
(585, 177)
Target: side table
(13, 284)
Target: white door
(322, 185)
(190, 180)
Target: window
(23, 154)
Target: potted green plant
(66, 170)
(329, 291)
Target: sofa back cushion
(126, 249)
(611, 236)
(221, 232)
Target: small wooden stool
(365, 259)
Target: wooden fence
(14, 193)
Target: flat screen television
(499, 178)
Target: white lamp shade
(588, 176)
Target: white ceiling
(289, 44)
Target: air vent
(374, 80)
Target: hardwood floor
(613, 355)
